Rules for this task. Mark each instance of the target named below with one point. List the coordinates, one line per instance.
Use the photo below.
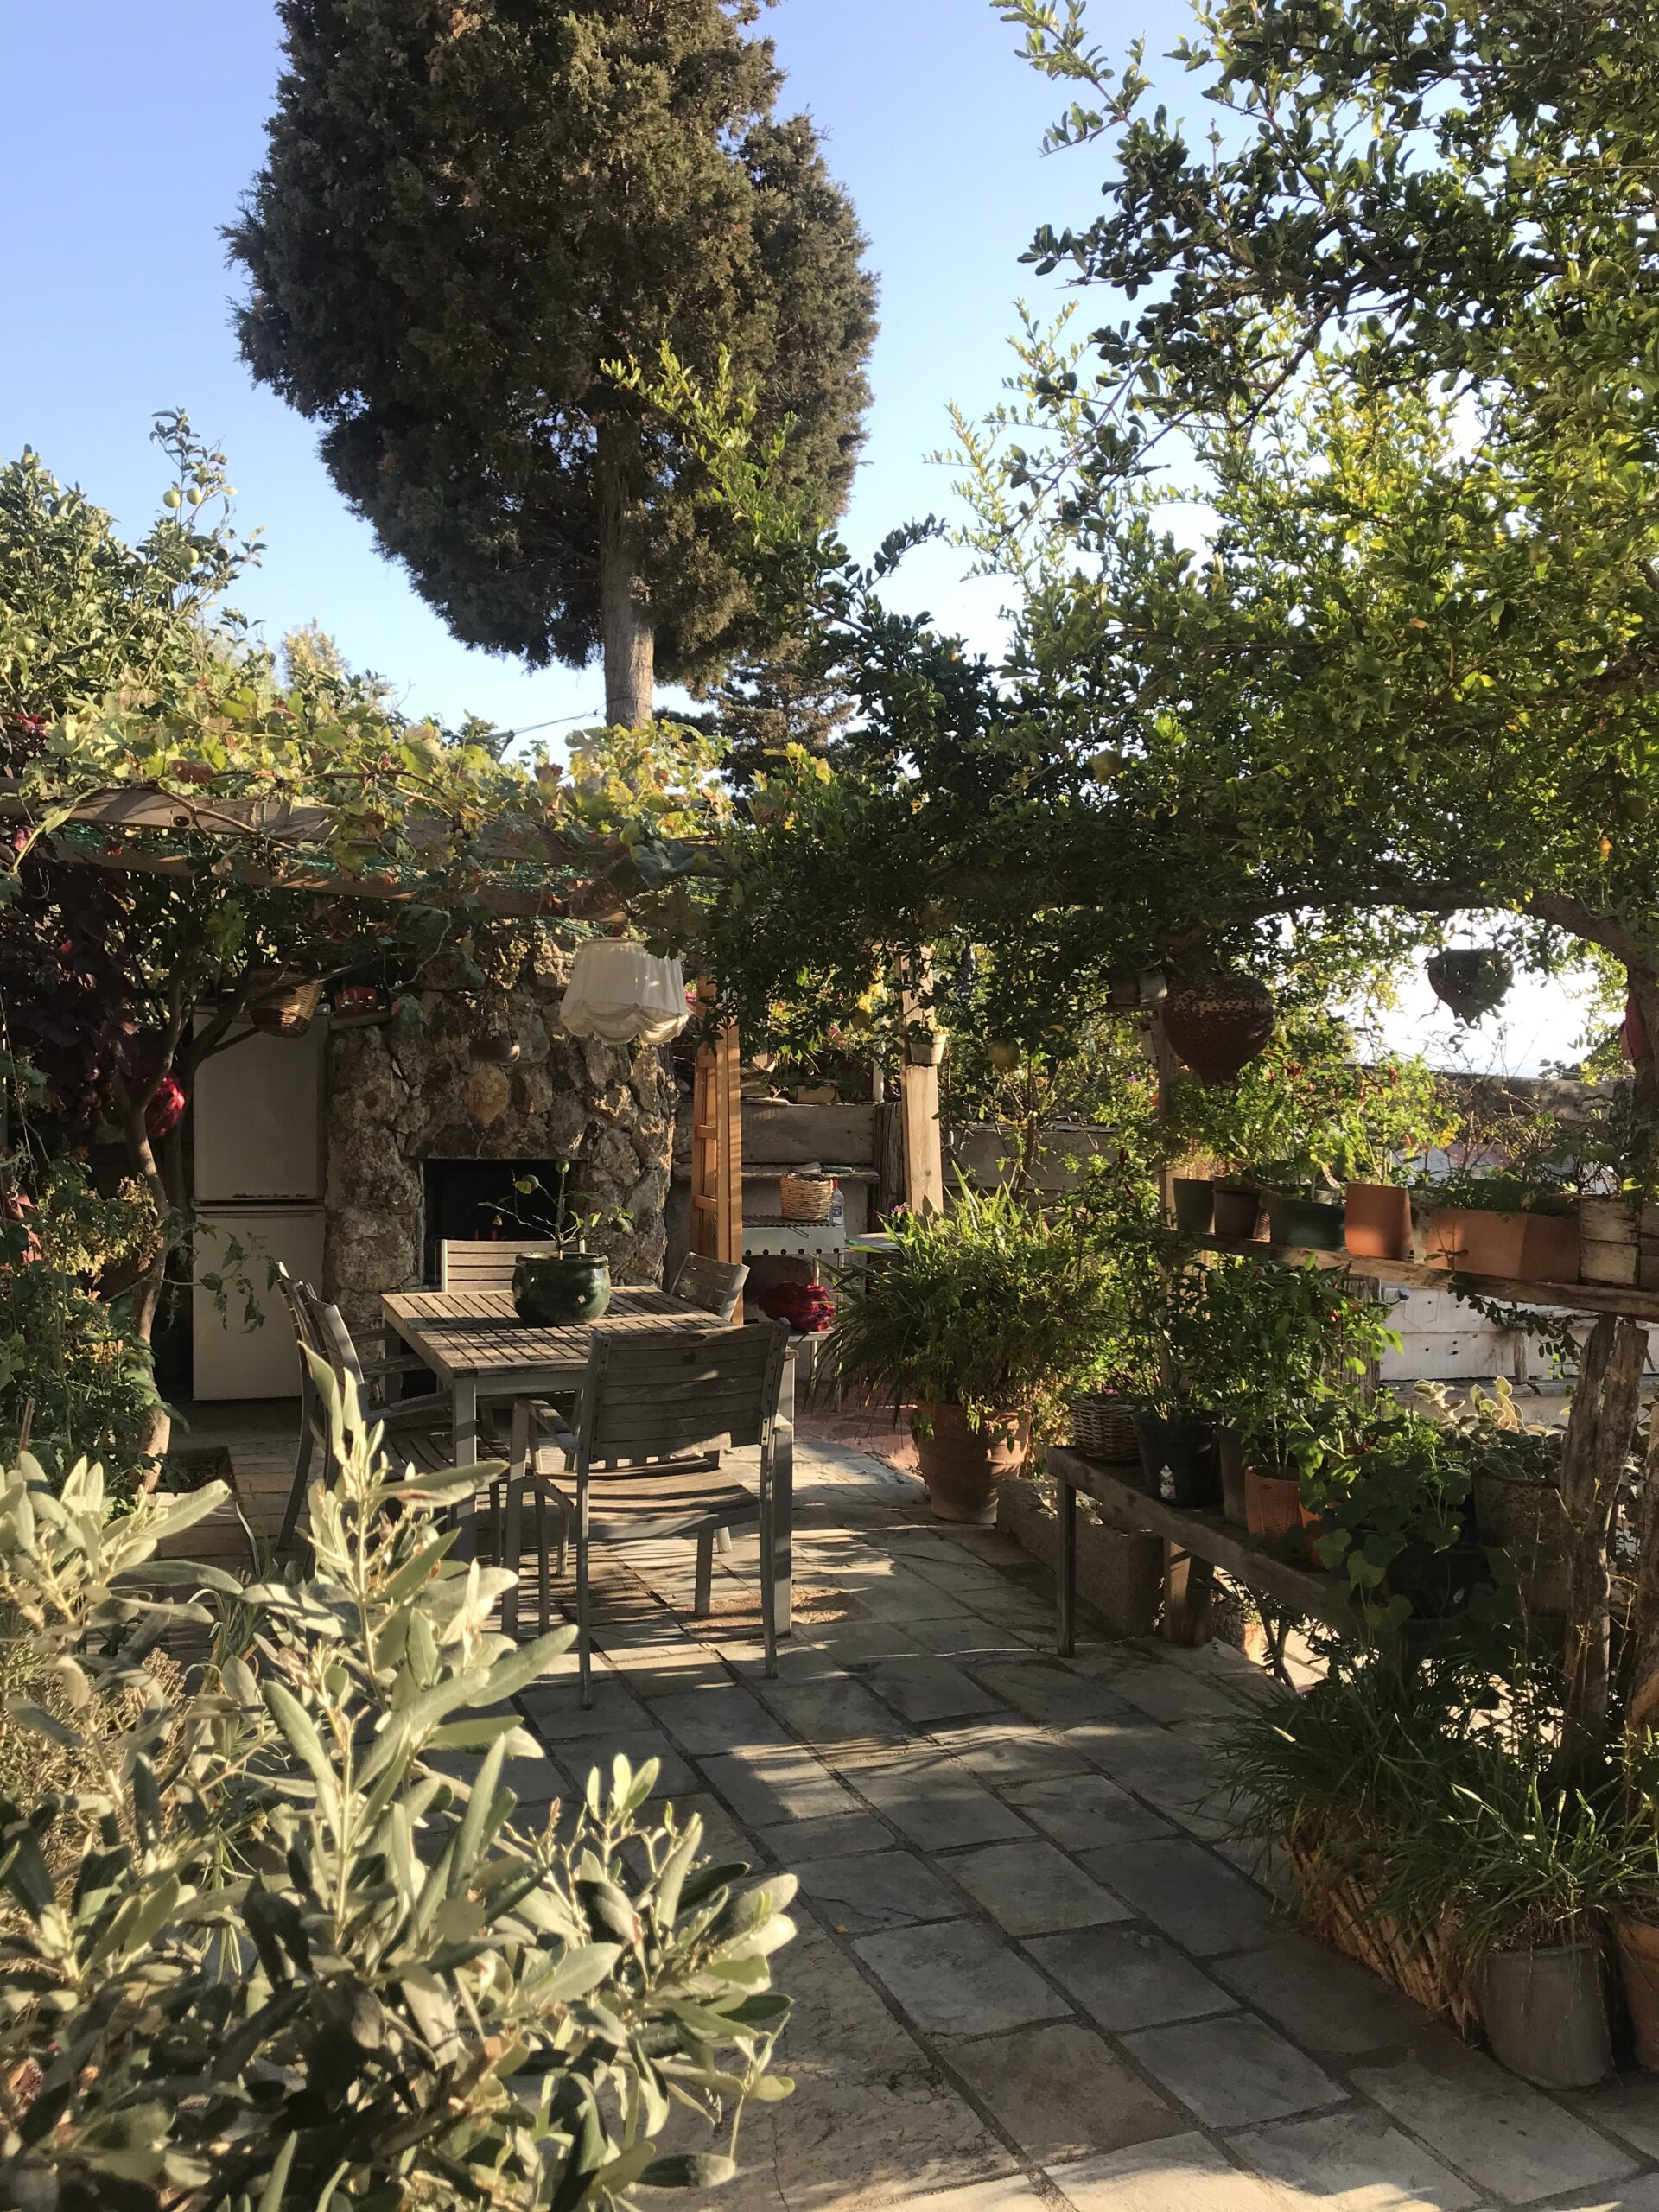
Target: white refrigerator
(258, 1124)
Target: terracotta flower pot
(1638, 1963)
(962, 1464)
(1377, 1221)
(1550, 1247)
(1273, 1504)
(1474, 1240)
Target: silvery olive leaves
(259, 1950)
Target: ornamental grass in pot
(984, 1317)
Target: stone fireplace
(485, 1074)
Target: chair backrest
(716, 1285)
(687, 1393)
(334, 1344)
(480, 1264)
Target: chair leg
(564, 1538)
(768, 1591)
(584, 1655)
(702, 1594)
(512, 1552)
(723, 1542)
(545, 1580)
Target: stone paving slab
(1058, 2092)
(936, 1803)
(1084, 1810)
(1327, 2003)
(1510, 2139)
(1353, 2159)
(956, 1976)
(928, 1689)
(1124, 1978)
(1032, 1888)
(1185, 2174)
(1179, 1886)
(866, 1889)
(1233, 2071)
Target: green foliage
(1307, 1110)
(464, 215)
(74, 1374)
(303, 1962)
(1401, 1784)
(991, 1305)
(1389, 1502)
(1284, 1350)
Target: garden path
(1035, 1969)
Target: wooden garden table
(479, 1349)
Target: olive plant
(263, 1953)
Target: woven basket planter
(1335, 1907)
(1102, 1427)
(807, 1198)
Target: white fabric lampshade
(621, 993)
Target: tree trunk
(625, 603)
(147, 1292)
(1599, 1432)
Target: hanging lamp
(621, 993)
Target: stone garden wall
(434, 1083)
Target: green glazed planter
(555, 1291)
(1309, 1224)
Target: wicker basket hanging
(1101, 1427)
(807, 1198)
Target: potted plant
(1514, 1467)
(1390, 1519)
(984, 1317)
(1530, 1875)
(1216, 1023)
(558, 1289)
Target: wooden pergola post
(717, 1150)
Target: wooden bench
(1200, 1543)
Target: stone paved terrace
(1033, 1968)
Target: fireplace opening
(474, 1200)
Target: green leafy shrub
(75, 1376)
(299, 1965)
(992, 1305)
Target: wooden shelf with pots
(1568, 1297)
(1202, 1537)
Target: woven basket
(1101, 1427)
(807, 1198)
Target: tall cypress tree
(467, 207)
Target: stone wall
(412, 1090)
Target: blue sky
(131, 131)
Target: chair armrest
(406, 1362)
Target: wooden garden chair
(645, 1460)
(467, 1264)
(713, 1286)
(416, 1428)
